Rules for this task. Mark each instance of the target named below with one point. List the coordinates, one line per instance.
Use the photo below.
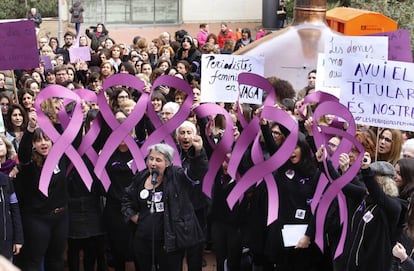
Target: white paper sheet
(292, 233)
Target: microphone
(154, 174)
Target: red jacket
(222, 37)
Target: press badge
(159, 207)
(368, 216)
(300, 214)
(129, 164)
(157, 196)
(56, 170)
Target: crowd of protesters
(158, 217)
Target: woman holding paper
(289, 243)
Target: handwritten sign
(79, 53)
(219, 74)
(338, 48)
(379, 93)
(399, 47)
(18, 46)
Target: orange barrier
(356, 22)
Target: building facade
(170, 11)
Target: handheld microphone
(154, 174)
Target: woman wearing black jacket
(188, 52)
(376, 222)
(297, 180)
(11, 235)
(226, 224)
(168, 221)
(45, 218)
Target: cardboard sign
(219, 74)
(18, 46)
(79, 53)
(399, 45)
(338, 48)
(379, 93)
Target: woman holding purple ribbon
(226, 223)
(119, 233)
(288, 242)
(158, 203)
(375, 222)
(45, 218)
(86, 227)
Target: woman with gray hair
(158, 203)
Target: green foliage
(12, 9)
(17, 9)
(400, 11)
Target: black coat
(369, 245)
(27, 182)
(181, 228)
(12, 230)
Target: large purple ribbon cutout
(221, 148)
(329, 189)
(86, 146)
(263, 169)
(163, 131)
(121, 131)
(62, 143)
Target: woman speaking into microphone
(158, 202)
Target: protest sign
(47, 62)
(399, 45)
(18, 46)
(219, 74)
(79, 53)
(338, 48)
(379, 93)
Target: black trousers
(120, 237)
(194, 255)
(163, 261)
(93, 253)
(45, 237)
(227, 245)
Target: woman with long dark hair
(45, 218)
(16, 123)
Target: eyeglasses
(386, 139)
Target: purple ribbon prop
(262, 169)
(323, 196)
(62, 142)
(86, 146)
(121, 131)
(221, 149)
(163, 131)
